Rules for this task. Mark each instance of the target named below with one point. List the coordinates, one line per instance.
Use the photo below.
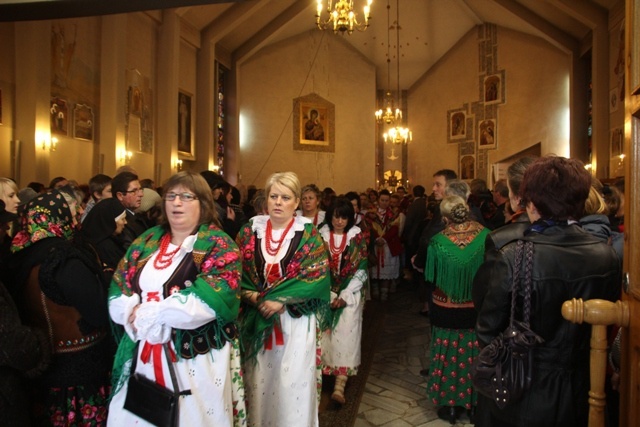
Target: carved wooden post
(599, 313)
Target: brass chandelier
(389, 114)
(342, 18)
(397, 134)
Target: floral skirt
(452, 353)
(80, 405)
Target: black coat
(492, 245)
(567, 263)
(415, 222)
(22, 350)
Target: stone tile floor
(395, 393)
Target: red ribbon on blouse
(156, 350)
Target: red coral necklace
(269, 239)
(336, 250)
(164, 258)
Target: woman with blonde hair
(310, 205)
(596, 221)
(9, 194)
(285, 290)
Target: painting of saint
(313, 129)
(487, 133)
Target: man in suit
(126, 188)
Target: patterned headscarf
(45, 216)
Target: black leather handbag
(149, 400)
(503, 370)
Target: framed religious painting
(313, 124)
(59, 116)
(493, 88)
(139, 114)
(487, 133)
(467, 167)
(457, 125)
(186, 149)
(83, 122)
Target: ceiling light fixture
(342, 18)
(398, 134)
(389, 114)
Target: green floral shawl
(305, 284)
(217, 258)
(354, 258)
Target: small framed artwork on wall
(457, 125)
(186, 148)
(467, 167)
(83, 122)
(59, 115)
(493, 88)
(487, 133)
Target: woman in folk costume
(348, 249)
(385, 227)
(179, 284)
(454, 256)
(62, 291)
(286, 289)
(310, 205)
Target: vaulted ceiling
(428, 28)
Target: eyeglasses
(135, 190)
(184, 197)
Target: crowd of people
(243, 308)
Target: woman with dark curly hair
(566, 262)
(453, 258)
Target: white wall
(268, 84)
(536, 107)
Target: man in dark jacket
(126, 188)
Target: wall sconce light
(215, 168)
(124, 156)
(179, 165)
(49, 144)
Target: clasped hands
(269, 308)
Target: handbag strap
(524, 252)
(172, 373)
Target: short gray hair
(456, 187)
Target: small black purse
(149, 400)
(502, 370)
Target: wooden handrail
(599, 314)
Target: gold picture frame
(313, 124)
(186, 146)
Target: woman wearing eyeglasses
(178, 284)
(286, 288)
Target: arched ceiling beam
(556, 36)
(230, 19)
(27, 10)
(588, 13)
(262, 35)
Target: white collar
(259, 225)
(353, 231)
